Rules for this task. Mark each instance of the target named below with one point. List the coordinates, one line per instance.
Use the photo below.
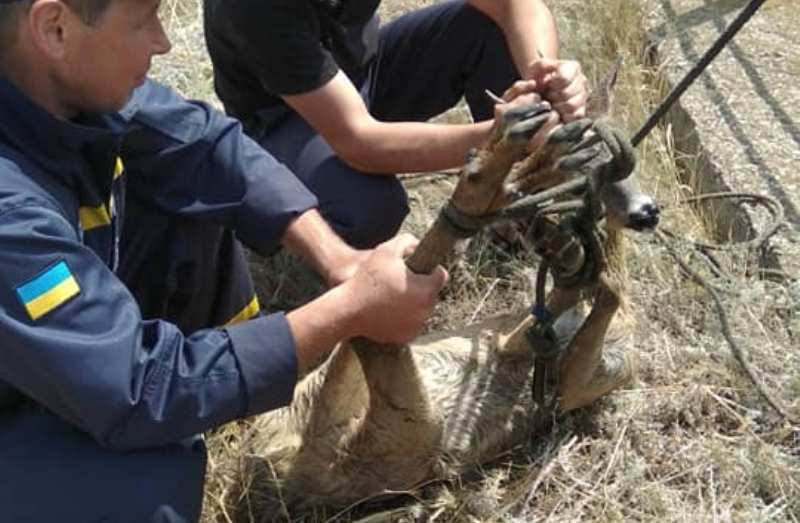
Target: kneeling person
(128, 323)
(344, 102)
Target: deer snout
(644, 217)
(629, 208)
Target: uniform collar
(49, 141)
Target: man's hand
(383, 301)
(310, 236)
(393, 303)
(346, 266)
(562, 83)
(338, 113)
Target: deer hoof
(525, 112)
(571, 132)
(524, 130)
(616, 370)
(574, 161)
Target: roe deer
(373, 419)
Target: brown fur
(373, 420)
(343, 439)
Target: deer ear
(601, 99)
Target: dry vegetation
(692, 440)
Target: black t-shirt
(262, 49)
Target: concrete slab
(738, 126)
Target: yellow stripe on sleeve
(119, 168)
(52, 298)
(248, 312)
(93, 217)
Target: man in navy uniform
(128, 322)
(344, 102)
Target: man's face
(106, 61)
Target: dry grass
(692, 441)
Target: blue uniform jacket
(72, 338)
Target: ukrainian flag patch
(47, 291)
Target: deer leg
(586, 373)
(399, 408)
(566, 255)
(339, 392)
(515, 339)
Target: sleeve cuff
(282, 85)
(265, 350)
(275, 196)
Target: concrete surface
(738, 125)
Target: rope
(459, 224)
(777, 221)
(462, 225)
(466, 225)
(773, 206)
(777, 212)
(726, 331)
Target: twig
(726, 330)
(613, 459)
(545, 471)
(386, 492)
(493, 97)
(724, 403)
(429, 174)
(713, 494)
(483, 299)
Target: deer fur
(373, 420)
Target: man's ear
(50, 23)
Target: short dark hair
(88, 10)
(9, 13)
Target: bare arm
(383, 301)
(374, 294)
(532, 37)
(528, 27)
(338, 113)
(310, 236)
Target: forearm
(337, 112)
(310, 236)
(528, 26)
(532, 38)
(320, 324)
(396, 147)
(384, 301)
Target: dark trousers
(427, 60)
